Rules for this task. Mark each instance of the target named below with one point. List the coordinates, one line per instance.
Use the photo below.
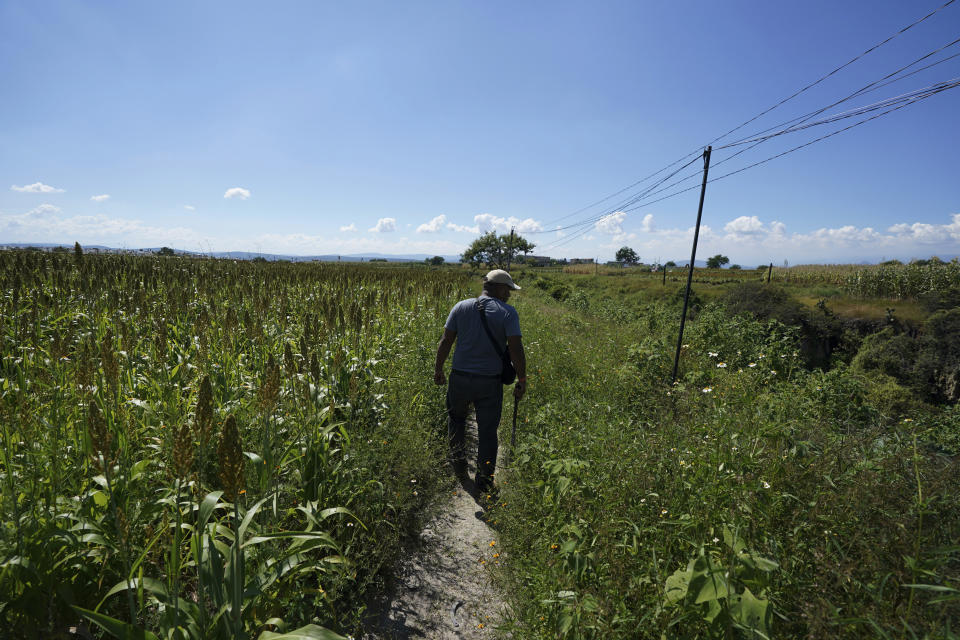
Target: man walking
(477, 365)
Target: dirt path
(444, 588)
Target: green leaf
(732, 540)
(114, 627)
(248, 516)
(309, 632)
(709, 586)
(752, 612)
(296, 535)
(930, 587)
(207, 506)
(677, 585)
(326, 513)
(764, 564)
(139, 467)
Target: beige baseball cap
(499, 276)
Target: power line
(951, 85)
(912, 96)
(758, 138)
(789, 126)
(902, 101)
(873, 86)
(627, 188)
(824, 77)
(622, 204)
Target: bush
(559, 292)
(765, 302)
(821, 333)
(889, 353)
(938, 361)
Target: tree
(435, 261)
(735, 267)
(717, 261)
(165, 251)
(670, 263)
(627, 255)
(496, 251)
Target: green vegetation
(717, 261)
(757, 496)
(216, 447)
(227, 449)
(496, 251)
(626, 255)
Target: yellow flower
(493, 543)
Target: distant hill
(242, 255)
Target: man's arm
(519, 359)
(443, 350)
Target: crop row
(204, 448)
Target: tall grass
(209, 448)
(752, 499)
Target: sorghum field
(202, 448)
(209, 448)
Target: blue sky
(334, 127)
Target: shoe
(484, 484)
(459, 466)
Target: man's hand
(443, 350)
(519, 389)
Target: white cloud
(384, 225)
(749, 240)
(46, 224)
(433, 226)
(928, 233)
(611, 224)
(647, 224)
(189, 207)
(44, 211)
(237, 192)
(487, 222)
(463, 228)
(745, 225)
(36, 187)
(101, 198)
(349, 227)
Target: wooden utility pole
(510, 248)
(693, 258)
(769, 271)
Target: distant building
(537, 261)
(581, 260)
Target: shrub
(765, 302)
(938, 361)
(889, 353)
(559, 292)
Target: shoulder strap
(486, 327)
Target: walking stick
(513, 434)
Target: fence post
(769, 271)
(693, 258)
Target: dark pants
(486, 394)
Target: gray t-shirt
(474, 352)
